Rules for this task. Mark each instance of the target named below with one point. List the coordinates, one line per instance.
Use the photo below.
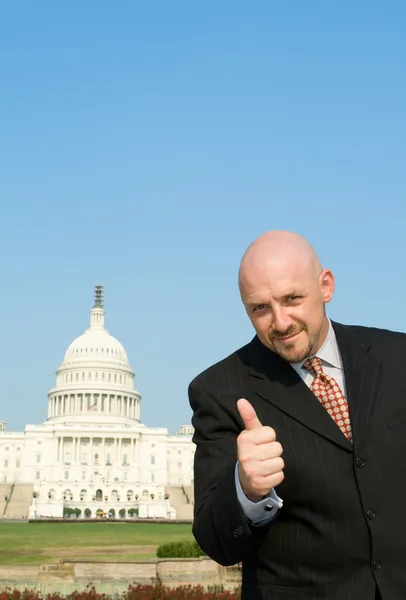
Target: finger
(263, 435)
(260, 452)
(267, 468)
(248, 415)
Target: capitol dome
(96, 344)
(95, 376)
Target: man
(300, 464)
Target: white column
(138, 457)
(117, 460)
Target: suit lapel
(361, 371)
(275, 381)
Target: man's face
(285, 303)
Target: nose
(281, 320)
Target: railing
(8, 499)
(186, 495)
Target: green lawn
(41, 543)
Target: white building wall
(180, 458)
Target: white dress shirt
(267, 509)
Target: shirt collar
(328, 352)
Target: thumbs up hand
(260, 463)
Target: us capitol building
(93, 455)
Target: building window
(125, 459)
(179, 465)
(18, 463)
(125, 474)
(4, 478)
(38, 458)
(152, 460)
(37, 475)
(153, 477)
(108, 459)
(6, 463)
(66, 474)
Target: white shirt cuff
(262, 512)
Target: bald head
(278, 250)
(284, 290)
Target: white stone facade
(93, 452)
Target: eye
(259, 307)
(292, 298)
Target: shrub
(121, 512)
(136, 592)
(88, 513)
(182, 549)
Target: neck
(323, 334)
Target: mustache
(275, 335)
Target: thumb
(248, 414)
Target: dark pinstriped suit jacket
(341, 533)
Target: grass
(42, 543)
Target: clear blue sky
(144, 145)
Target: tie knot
(313, 365)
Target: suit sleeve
(220, 525)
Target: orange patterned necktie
(328, 392)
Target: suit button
(360, 462)
(371, 514)
(376, 565)
(238, 531)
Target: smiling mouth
(288, 337)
